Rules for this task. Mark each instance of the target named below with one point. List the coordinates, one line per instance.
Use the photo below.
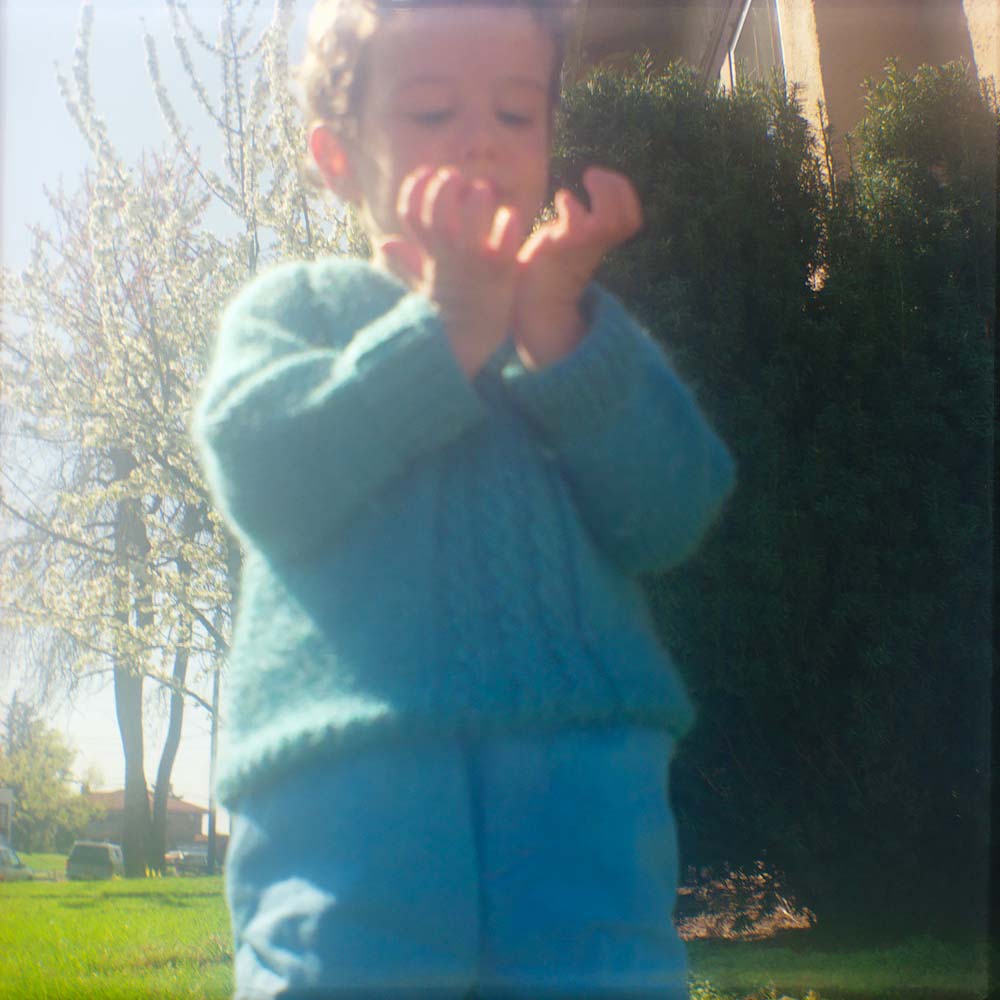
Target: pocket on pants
(357, 877)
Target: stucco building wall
(800, 54)
(855, 38)
(829, 47)
(983, 20)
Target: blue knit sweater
(426, 554)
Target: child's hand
(559, 260)
(460, 249)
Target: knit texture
(425, 554)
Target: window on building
(755, 51)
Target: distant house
(184, 819)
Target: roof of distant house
(115, 801)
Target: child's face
(459, 87)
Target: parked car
(95, 859)
(191, 859)
(12, 868)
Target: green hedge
(835, 629)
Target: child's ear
(331, 157)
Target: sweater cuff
(584, 389)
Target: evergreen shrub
(835, 627)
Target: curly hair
(332, 73)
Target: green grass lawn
(167, 938)
(47, 864)
(919, 969)
(120, 940)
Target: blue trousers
(531, 866)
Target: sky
(40, 146)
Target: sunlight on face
(466, 88)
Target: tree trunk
(158, 841)
(135, 832)
(131, 550)
(213, 846)
(193, 521)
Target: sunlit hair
(332, 75)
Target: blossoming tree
(113, 545)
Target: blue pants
(530, 866)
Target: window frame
(735, 40)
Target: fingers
(534, 243)
(437, 215)
(614, 204)
(505, 235)
(615, 215)
(481, 217)
(571, 216)
(565, 230)
(409, 202)
(447, 213)
(450, 215)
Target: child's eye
(515, 119)
(437, 117)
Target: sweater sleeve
(326, 384)
(648, 473)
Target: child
(450, 719)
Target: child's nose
(477, 138)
